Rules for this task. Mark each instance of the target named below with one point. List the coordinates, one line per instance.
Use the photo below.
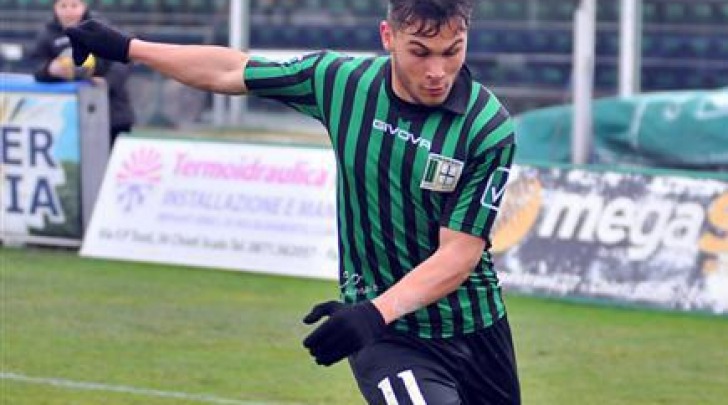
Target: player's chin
(432, 101)
(433, 98)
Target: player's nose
(435, 71)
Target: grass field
(88, 332)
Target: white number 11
(413, 390)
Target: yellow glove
(89, 64)
(72, 72)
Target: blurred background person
(52, 54)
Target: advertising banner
(632, 238)
(40, 165)
(217, 204)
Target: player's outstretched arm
(205, 67)
(211, 68)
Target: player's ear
(385, 31)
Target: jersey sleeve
(290, 82)
(473, 206)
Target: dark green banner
(672, 129)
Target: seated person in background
(52, 50)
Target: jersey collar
(456, 102)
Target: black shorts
(475, 369)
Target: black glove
(91, 36)
(348, 329)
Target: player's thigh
(490, 376)
(390, 374)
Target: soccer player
(423, 154)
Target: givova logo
(401, 133)
(137, 177)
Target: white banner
(215, 204)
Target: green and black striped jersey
(404, 171)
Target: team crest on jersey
(441, 173)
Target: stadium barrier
(640, 238)
(54, 145)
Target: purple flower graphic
(138, 176)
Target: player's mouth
(436, 91)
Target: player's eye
(419, 53)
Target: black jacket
(51, 42)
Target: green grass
(237, 336)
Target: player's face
(424, 68)
(69, 12)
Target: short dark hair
(428, 15)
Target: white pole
(583, 80)
(239, 30)
(630, 47)
(219, 105)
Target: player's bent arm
(205, 67)
(435, 278)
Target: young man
(52, 52)
(423, 155)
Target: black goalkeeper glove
(94, 37)
(348, 329)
